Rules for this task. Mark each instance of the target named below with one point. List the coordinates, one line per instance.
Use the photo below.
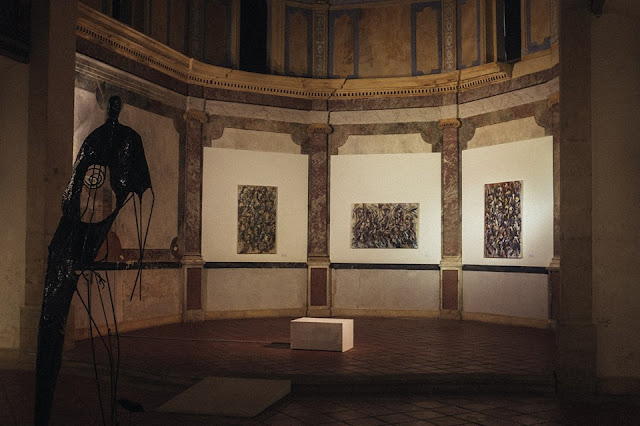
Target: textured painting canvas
(503, 220)
(384, 225)
(257, 209)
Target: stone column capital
(449, 122)
(196, 115)
(323, 128)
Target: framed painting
(257, 217)
(384, 225)
(503, 220)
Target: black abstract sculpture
(111, 155)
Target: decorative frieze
(449, 34)
(320, 22)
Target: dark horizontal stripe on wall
(254, 265)
(519, 269)
(394, 266)
(123, 266)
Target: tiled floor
(382, 348)
(404, 368)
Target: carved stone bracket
(200, 116)
(449, 122)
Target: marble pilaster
(451, 264)
(192, 223)
(319, 289)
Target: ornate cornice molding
(124, 41)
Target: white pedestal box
(322, 334)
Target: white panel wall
(521, 295)
(508, 294)
(386, 178)
(530, 161)
(223, 171)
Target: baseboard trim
(384, 313)
(257, 313)
(506, 320)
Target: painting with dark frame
(257, 215)
(384, 225)
(503, 220)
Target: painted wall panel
(386, 178)
(177, 24)
(159, 20)
(343, 48)
(255, 289)
(394, 290)
(298, 45)
(469, 33)
(427, 28)
(223, 171)
(509, 294)
(537, 25)
(502, 163)
(384, 42)
(217, 32)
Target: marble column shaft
(193, 182)
(451, 229)
(192, 231)
(318, 150)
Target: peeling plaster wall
(14, 87)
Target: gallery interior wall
(509, 294)
(502, 163)
(223, 171)
(386, 178)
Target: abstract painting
(257, 206)
(384, 225)
(503, 220)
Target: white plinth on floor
(322, 334)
